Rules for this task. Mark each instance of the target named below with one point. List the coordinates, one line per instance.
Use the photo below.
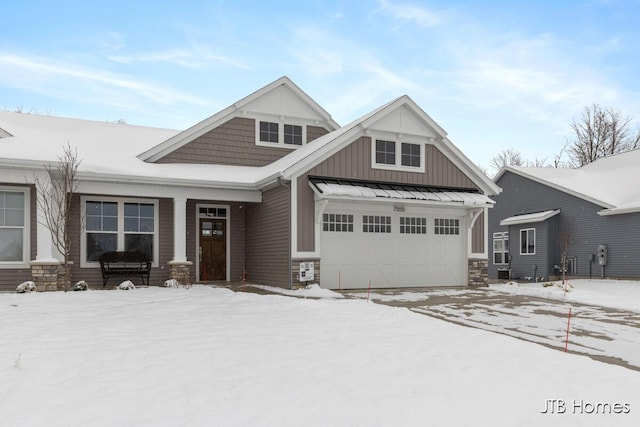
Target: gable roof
(608, 182)
(414, 119)
(259, 102)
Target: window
(293, 135)
(268, 132)
(376, 224)
(337, 222)
(397, 155)
(528, 241)
(213, 212)
(447, 226)
(410, 225)
(385, 152)
(119, 225)
(501, 248)
(411, 155)
(14, 230)
(280, 134)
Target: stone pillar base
(478, 272)
(47, 275)
(180, 271)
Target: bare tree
(54, 196)
(508, 157)
(600, 132)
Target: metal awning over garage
(345, 189)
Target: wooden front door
(213, 249)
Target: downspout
(282, 183)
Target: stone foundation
(478, 272)
(48, 276)
(295, 272)
(180, 271)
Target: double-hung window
(119, 225)
(501, 247)
(14, 226)
(528, 241)
(399, 155)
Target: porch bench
(125, 264)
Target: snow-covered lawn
(208, 356)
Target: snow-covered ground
(208, 356)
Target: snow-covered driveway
(606, 334)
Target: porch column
(179, 267)
(47, 266)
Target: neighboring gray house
(270, 189)
(595, 210)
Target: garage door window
(447, 226)
(411, 225)
(376, 224)
(337, 222)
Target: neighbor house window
(447, 226)
(376, 224)
(528, 241)
(279, 134)
(119, 225)
(389, 154)
(14, 226)
(501, 248)
(337, 222)
(411, 225)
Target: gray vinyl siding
(621, 233)
(267, 241)
(232, 143)
(236, 217)
(93, 276)
(354, 162)
(10, 278)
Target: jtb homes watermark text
(580, 406)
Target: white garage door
(390, 247)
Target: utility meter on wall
(602, 255)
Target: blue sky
(494, 75)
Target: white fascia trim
(619, 211)
(529, 218)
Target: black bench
(125, 264)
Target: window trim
(120, 201)
(399, 141)
(534, 241)
(500, 236)
(26, 233)
(281, 122)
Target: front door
(213, 249)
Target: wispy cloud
(194, 58)
(38, 74)
(418, 15)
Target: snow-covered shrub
(172, 283)
(28, 286)
(547, 284)
(81, 286)
(127, 285)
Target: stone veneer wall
(46, 275)
(295, 272)
(478, 272)
(181, 271)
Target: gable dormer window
(280, 134)
(398, 155)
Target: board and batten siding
(232, 143)
(236, 218)
(621, 233)
(354, 162)
(267, 241)
(10, 278)
(93, 275)
(477, 236)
